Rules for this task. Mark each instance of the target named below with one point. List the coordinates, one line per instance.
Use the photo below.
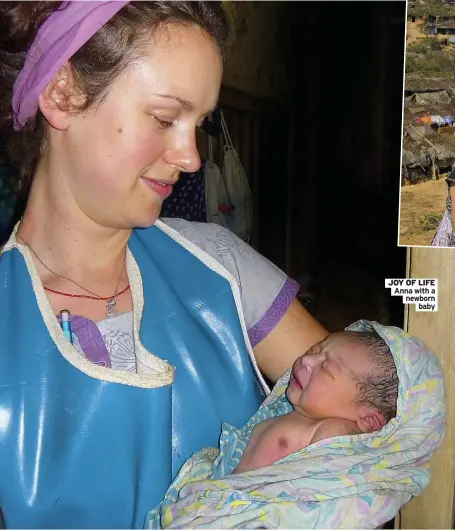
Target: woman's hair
(95, 66)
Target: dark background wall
(346, 65)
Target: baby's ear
(370, 420)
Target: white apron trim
(216, 266)
(152, 371)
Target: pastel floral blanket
(343, 482)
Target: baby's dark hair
(379, 389)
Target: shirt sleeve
(266, 291)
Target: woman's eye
(163, 124)
(205, 125)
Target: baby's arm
(334, 427)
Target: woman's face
(116, 163)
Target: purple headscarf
(65, 31)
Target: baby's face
(324, 380)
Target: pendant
(111, 310)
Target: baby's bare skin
(323, 390)
(276, 438)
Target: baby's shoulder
(334, 427)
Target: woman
(173, 324)
(445, 235)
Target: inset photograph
(428, 149)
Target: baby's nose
(314, 359)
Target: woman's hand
(294, 334)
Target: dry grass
(422, 205)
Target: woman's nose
(189, 164)
(185, 158)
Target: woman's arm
(279, 327)
(292, 336)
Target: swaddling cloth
(343, 482)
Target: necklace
(104, 298)
(111, 301)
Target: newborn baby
(346, 384)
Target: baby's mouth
(293, 381)
(301, 375)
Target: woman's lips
(161, 188)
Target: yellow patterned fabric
(343, 482)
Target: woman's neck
(68, 242)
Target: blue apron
(80, 452)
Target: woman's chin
(145, 224)
(146, 220)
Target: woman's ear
(59, 99)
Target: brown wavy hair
(94, 67)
